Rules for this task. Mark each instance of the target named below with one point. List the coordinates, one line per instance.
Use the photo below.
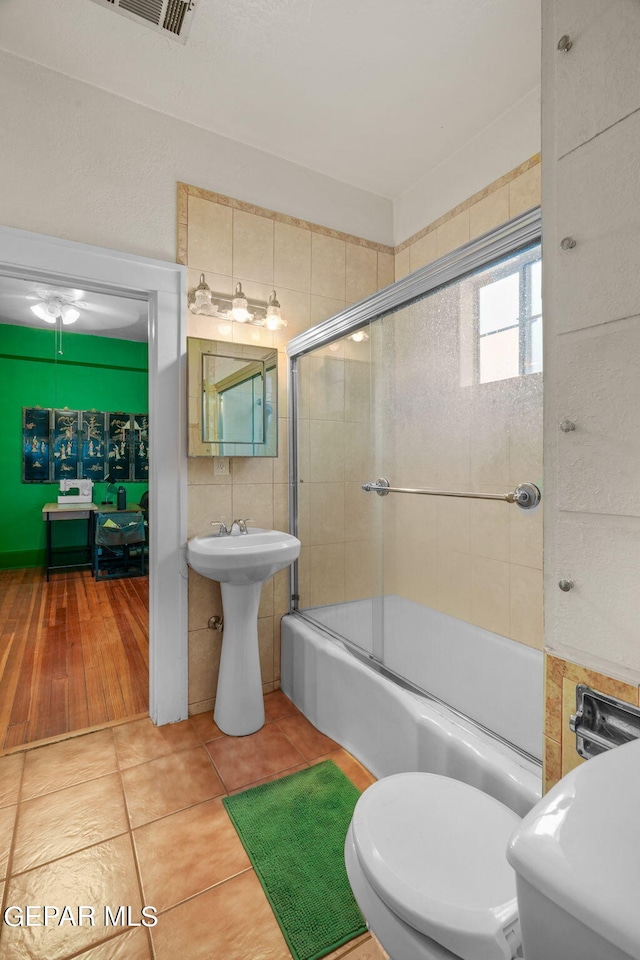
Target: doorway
(161, 285)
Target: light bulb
(69, 314)
(40, 312)
(359, 336)
(274, 319)
(52, 309)
(239, 305)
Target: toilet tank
(577, 861)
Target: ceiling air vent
(172, 17)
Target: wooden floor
(74, 653)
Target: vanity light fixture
(55, 308)
(239, 308)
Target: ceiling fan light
(40, 312)
(69, 314)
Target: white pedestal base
(239, 703)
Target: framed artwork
(36, 428)
(75, 444)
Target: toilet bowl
(442, 871)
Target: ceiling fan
(64, 305)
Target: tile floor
(132, 816)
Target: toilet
(442, 871)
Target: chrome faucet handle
(223, 531)
(242, 524)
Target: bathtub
(391, 728)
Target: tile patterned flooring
(133, 815)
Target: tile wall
(316, 273)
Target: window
(508, 318)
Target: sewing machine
(82, 491)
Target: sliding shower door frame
(506, 240)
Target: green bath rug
(294, 831)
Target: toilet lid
(434, 850)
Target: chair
(115, 535)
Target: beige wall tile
(252, 469)
(326, 574)
(205, 600)
(453, 524)
(281, 462)
(324, 307)
(265, 646)
(292, 258)
(525, 537)
(358, 463)
(489, 529)
(357, 389)
(326, 451)
(525, 192)
(252, 247)
(402, 264)
(361, 272)
(206, 503)
(281, 506)
(254, 500)
(326, 388)
(490, 594)
(489, 212)
(526, 606)
(423, 251)
(453, 233)
(416, 573)
(281, 592)
(386, 269)
(360, 570)
(359, 513)
(209, 236)
(328, 267)
(204, 663)
(296, 310)
(454, 584)
(326, 513)
(265, 608)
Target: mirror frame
(197, 350)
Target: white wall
(591, 192)
(506, 143)
(79, 163)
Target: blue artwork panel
(93, 445)
(119, 450)
(36, 426)
(66, 424)
(139, 441)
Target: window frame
(526, 318)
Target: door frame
(164, 286)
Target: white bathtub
(391, 729)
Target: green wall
(99, 373)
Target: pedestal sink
(241, 563)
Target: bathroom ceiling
(101, 314)
(375, 93)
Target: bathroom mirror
(233, 397)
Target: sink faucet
(225, 531)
